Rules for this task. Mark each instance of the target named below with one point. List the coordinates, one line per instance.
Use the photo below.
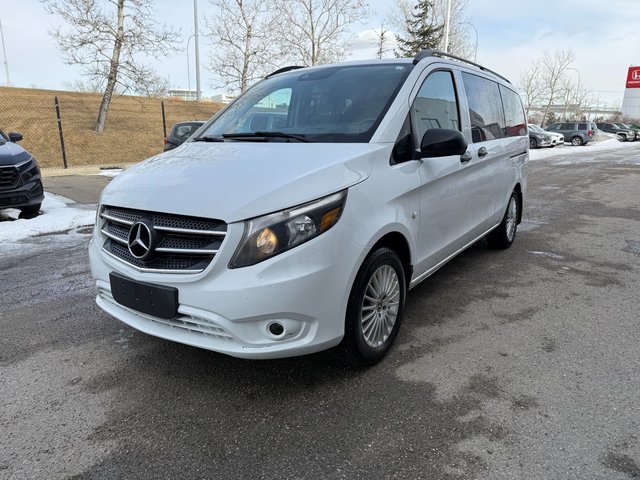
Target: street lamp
(6, 64)
(188, 70)
(195, 22)
(475, 50)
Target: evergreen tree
(421, 31)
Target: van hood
(234, 181)
(12, 154)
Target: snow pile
(110, 172)
(56, 216)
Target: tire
(31, 209)
(576, 141)
(374, 314)
(533, 143)
(504, 234)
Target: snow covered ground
(584, 153)
(57, 215)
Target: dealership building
(631, 100)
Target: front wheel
(31, 209)
(576, 141)
(503, 236)
(533, 144)
(375, 307)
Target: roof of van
(425, 54)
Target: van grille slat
(183, 244)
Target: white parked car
(299, 217)
(556, 138)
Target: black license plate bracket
(155, 300)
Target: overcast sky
(605, 37)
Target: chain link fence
(59, 127)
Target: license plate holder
(155, 300)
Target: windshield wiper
(299, 137)
(207, 138)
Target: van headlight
(267, 236)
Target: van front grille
(177, 244)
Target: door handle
(466, 157)
(483, 152)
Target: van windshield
(332, 104)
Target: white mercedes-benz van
(298, 217)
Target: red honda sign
(633, 77)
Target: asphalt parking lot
(518, 364)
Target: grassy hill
(133, 131)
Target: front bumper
(226, 310)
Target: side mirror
(15, 137)
(440, 142)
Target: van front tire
(504, 234)
(374, 311)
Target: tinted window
(435, 105)
(485, 108)
(331, 104)
(515, 123)
(567, 126)
(582, 126)
(555, 126)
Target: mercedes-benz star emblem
(140, 240)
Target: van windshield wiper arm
(295, 136)
(207, 138)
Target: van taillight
(164, 141)
(590, 132)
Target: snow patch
(555, 256)
(110, 172)
(57, 216)
(582, 154)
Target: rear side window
(184, 130)
(515, 123)
(582, 126)
(485, 108)
(435, 105)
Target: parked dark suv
(624, 134)
(180, 132)
(578, 133)
(20, 181)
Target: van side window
(404, 149)
(485, 108)
(515, 122)
(435, 106)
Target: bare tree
(553, 72)
(531, 86)
(107, 38)
(317, 31)
(242, 33)
(382, 37)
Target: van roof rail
(284, 69)
(435, 53)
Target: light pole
(188, 70)
(195, 21)
(447, 21)
(475, 50)
(6, 64)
